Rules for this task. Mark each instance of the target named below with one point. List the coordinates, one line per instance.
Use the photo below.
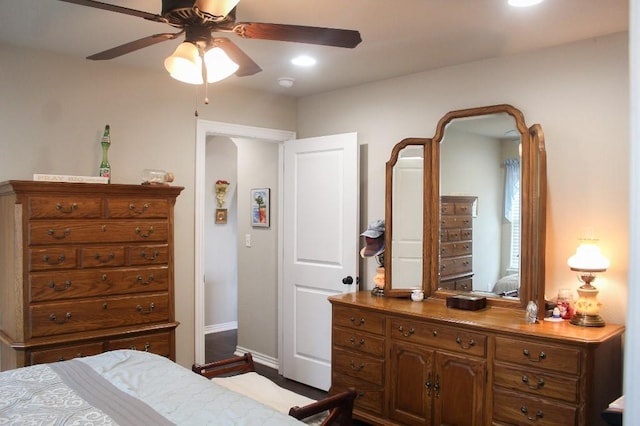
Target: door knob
(348, 280)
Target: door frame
(204, 129)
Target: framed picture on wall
(260, 199)
(221, 216)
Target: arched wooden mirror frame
(533, 209)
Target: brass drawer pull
(110, 257)
(537, 386)
(53, 234)
(354, 343)
(53, 318)
(70, 209)
(525, 411)
(435, 333)
(359, 323)
(140, 232)
(471, 343)
(140, 309)
(406, 334)
(352, 364)
(48, 260)
(541, 356)
(53, 286)
(143, 254)
(133, 208)
(147, 346)
(147, 282)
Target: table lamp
(587, 261)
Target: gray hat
(375, 229)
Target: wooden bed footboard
(339, 406)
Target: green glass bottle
(105, 167)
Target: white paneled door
(320, 248)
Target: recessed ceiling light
(524, 3)
(303, 61)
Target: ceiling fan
(198, 19)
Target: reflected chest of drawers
(86, 268)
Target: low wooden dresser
(421, 363)
(86, 268)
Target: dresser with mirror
(423, 363)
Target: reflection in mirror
(480, 166)
(408, 178)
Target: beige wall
(578, 93)
(53, 109)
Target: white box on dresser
(85, 268)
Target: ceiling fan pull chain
(204, 76)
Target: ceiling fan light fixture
(185, 64)
(216, 8)
(219, 65)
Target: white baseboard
(217, 328)
(258, 357)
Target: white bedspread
(40, 395)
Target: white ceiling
(400, 37)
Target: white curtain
(511, 186)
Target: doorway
(205, 129)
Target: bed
(128, 387)
(508, 285)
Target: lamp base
(585, 320)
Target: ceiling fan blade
(237, 55)
(119, 9)
(133, 46)
(298, 33)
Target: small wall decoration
(221, 191)
(260, 207)
(221, 216)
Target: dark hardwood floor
(223, 345)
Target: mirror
(480, 186)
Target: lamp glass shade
(588, 258)
(219, 65)
(185, 64)
(219, 8)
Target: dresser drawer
(448, 222)
(157, 343)
(456, 265)
(539, 355)
(85, 315)
(93, 256)
(362, 342)
(357, 319)
(53, 258)
(463, 208)
(449, 338)
(64, 353)
(130, 208)
(456, 248)
(358, 366)
(68, 207)
(520, 409)
(369, 397)
(60, 285)
(536, 382)
(148, 254)
(61, 232)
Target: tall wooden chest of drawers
(456, 243)
(86, 268)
